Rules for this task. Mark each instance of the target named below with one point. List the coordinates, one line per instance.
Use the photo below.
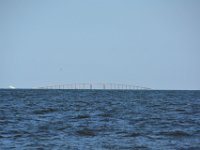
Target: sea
(42, 119)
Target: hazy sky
(153, 43)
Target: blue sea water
(99, 119)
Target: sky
(148, 43)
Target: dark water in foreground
(92, 119)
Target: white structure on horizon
(100, 86)
(11, 87)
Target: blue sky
(149, 43)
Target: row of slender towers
(103, 86)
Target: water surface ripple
(99, 119)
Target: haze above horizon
(147, 43)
